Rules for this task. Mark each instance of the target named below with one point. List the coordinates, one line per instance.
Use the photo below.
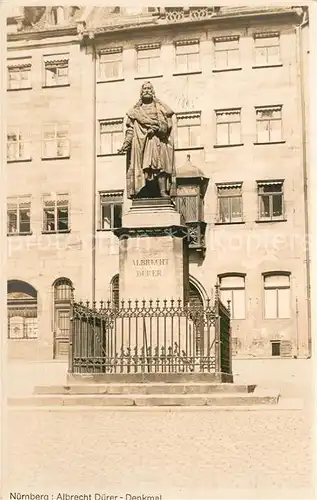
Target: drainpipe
(304, 167)
(94, 177)
(91, 50)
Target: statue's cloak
(156, 152)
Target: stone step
(148, 389)
(142, 400)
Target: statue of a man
(149, 146)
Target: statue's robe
(144, 152)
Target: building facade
(236, 79)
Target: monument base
(153, 258)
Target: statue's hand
(153, 130)
(121, 151)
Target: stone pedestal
(153, 252)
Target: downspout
(94, 180)
(92, 52)
(305, 174)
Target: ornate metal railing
(149, 337)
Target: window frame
(108, 51)
(276, 288)
(187, 117)
(21, 140)
(268, 35)
(184, 43)
(53, 199)
(25, 65)
(110, 133)
(144, 48)
(277, 107)
(223, 39)
(271, 217)
(56, 61)
(111, 198)
(228, 111)
(56, 127)
(229, 185)
(221, 288)
(18, 200)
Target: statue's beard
(147, 98)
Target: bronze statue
(149, 146)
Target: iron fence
(150, 337)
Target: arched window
(22, 310)
(232, 287)
(277, 300)
(62, 301)
(115, 291)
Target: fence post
(71, 334)
(217, 333)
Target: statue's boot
(162, 182)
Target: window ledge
(228, 145)
(100, 230)
(23, 338)
(184, 73)
(17, 90)
(66, 231)
(271, 142)
(20, 234)
(190, 148)
(20, 160)
(47, 158)
(111, 80)
(147, 76)
(277, 65)
(229, 223)
(221, 70)
(56, 86)
(101, 155)
(260, 221)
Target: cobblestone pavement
(182, 454)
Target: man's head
(147, 92)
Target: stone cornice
(183, 16)
(139, 232)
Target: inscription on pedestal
(148, 268)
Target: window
(232, 287)
(22, 310)
(228, 124)
(110, 64)
(277, 296)
(229, 202)
(19, 215)
(148, 59)
(111, 135)
(189, 204)
(187, 56)
(227, 52)
(56, 213)
(111, 209)
(276, 347)
(188, 130)
(115, 291)
(56, 141)
(56, 70)
(18, 146)
(271, 200)
(269, 124)
(19, 74)
(267, 49)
